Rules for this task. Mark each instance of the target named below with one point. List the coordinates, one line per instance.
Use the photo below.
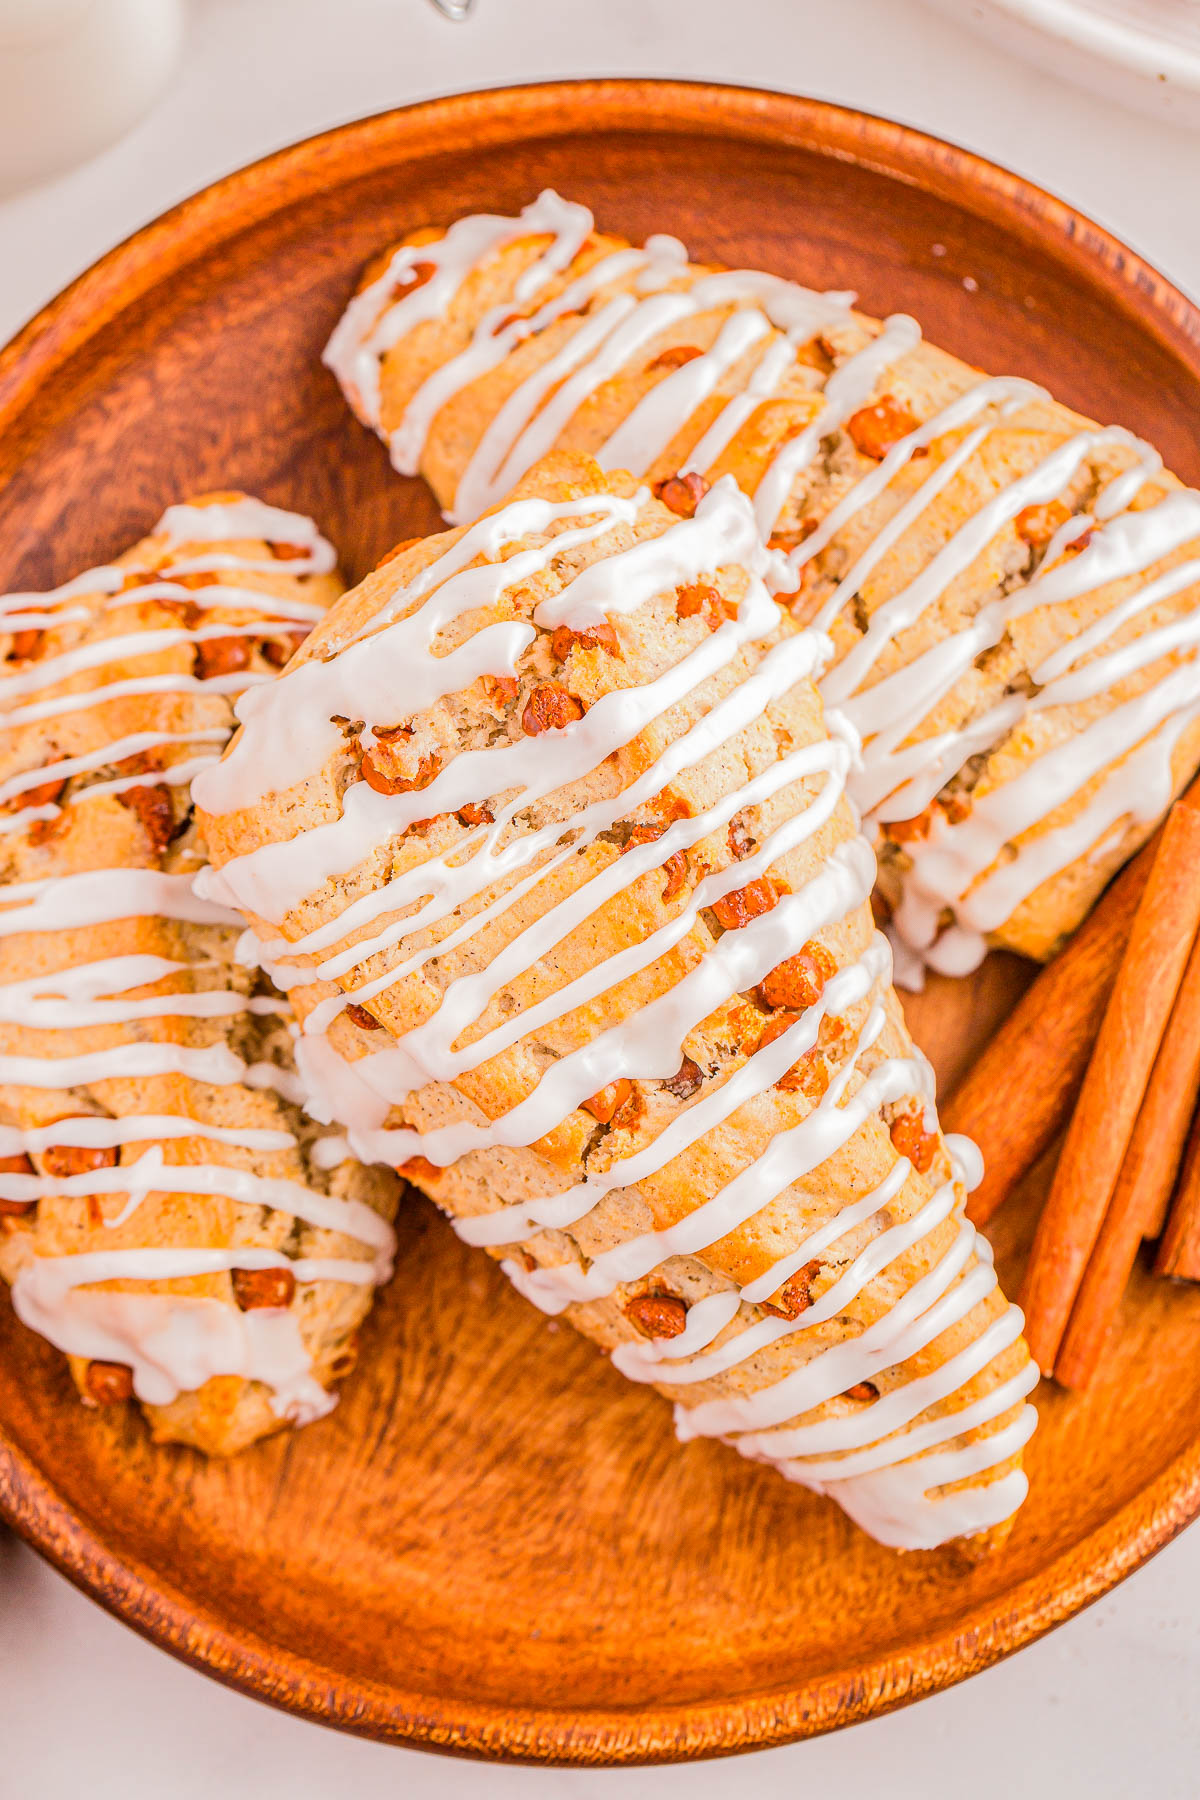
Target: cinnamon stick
(1147, 982)
(1138, 1207)
(1160, 1136)
(1017, 1097)
(1179, 1252)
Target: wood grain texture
(495, 1546)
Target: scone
(1012, 591)
(553, 801)
(168, 1216)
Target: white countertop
(1106, 1707)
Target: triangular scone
(553, 800)
(1013, 593)
(168, 1216)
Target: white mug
(75, 75)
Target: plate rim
(29, 1502)
(592, 1736)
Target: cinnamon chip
(795, 1296)
(1036, 525)
(592, 637)
(910, 1138)
(255, 1289)
(910, 831)
(221, 656)
(685, 1083)
(361, 1017)
(549, 708)
(16, 1165)
(418, 1168)
(61, 1161)
(682, 493)
(955, 806)
(412, 278)
(675, 870)
(879, 428)
(108, 1383)
(808, 1074)
(382, 781)
(735, 910)
(24, 646)
(279, 651)
(675, 357)
(470, 813)
(741, 844)
(701, 599)
(48, 794)
(185, 609)
(800, 981)
(657, 1315)
(675, 866)
(153, 807)
(605, 1104)
(862, 1390)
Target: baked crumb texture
(552, 800)
(168, 1215)
(1011, 590)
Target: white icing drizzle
(60, 705)
(227, 521)
(107, 579)
(104, 1133)
(172, 1343)
(481, 482)
(391, 655)
(535, 414)
(97, 896)
(151, 1174)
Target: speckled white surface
(1108, 1706)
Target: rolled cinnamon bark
(1017, 1095)
(1179, 1252)
(1098, 1138)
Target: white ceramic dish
(1142, 53)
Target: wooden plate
(494, 1545)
